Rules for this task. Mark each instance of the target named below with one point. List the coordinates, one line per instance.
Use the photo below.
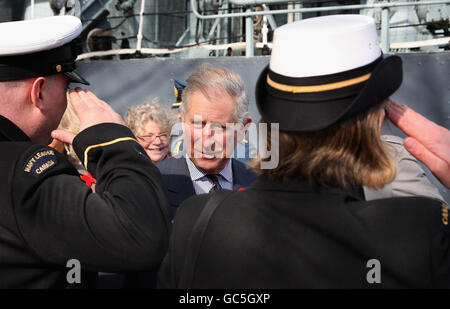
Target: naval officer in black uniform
(305, 223)
(51, 224)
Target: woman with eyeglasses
(152, 123)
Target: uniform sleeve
(440, 246)
(411, 179)
(122, 227)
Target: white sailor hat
(323, 70)
(39, 47)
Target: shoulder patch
(40, 162)
(444, 214)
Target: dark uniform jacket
(296, 235)
(178, 184)
(48, 216)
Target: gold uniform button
(58, 68)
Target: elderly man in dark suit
(215, 117)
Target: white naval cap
(339, 42)
(39, 47)
(324, 70)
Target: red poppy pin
(88, 180)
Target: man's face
(205, 123)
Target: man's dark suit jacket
(178, 184)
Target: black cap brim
(75, 77)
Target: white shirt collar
(197, 173)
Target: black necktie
(216, 185)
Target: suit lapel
(238, 181)
(179, 184)
(242, 177)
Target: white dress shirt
(203, 184)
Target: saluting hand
(427, 141)
(90, 110)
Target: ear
(247, 123)
(243, 131)
(184, 125)
(182, 116)
(37, 89)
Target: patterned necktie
(216, 185)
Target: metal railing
(248, 14)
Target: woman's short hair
(210, 80)
(138, 116)
(348, 155)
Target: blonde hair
(70, 122)
(348, 155)
(137, 117)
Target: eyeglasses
(149, 138)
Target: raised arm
(124, 226)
